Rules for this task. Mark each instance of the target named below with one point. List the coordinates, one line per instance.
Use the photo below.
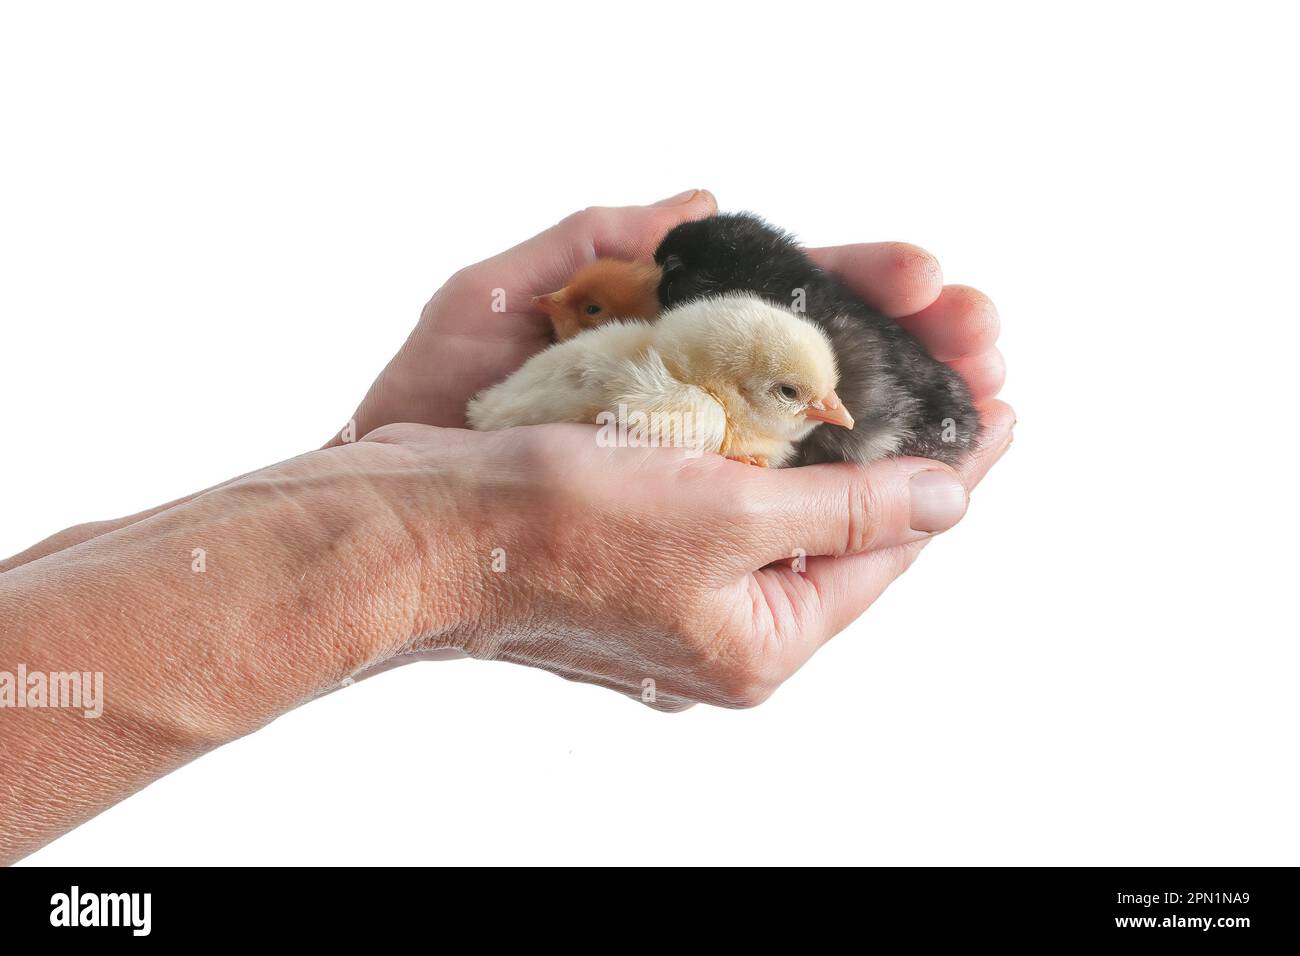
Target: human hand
(462, 344)
(682, 591)
(481, 325)
(665, 576)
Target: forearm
(82, 532)
(305, 578)
(93, 529)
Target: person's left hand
(481, 325)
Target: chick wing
(611, 369)
(568, 382)
(664, 410)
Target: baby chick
(599, 292)
(730, 374)
(905, 401)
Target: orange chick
(601, 291)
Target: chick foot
(758, 460)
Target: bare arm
(79, 533)
(190, 658)
(345, 559)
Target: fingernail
(938, 501)
(680, 199)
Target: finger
(997, 429)
(844, 509)
(898, 278)
(961, 322)
(545, 262)
(634, 232)
(984, 374)
(846, 586)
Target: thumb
(545, 262)
(634, 232)
(843, 509)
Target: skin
(367, 554)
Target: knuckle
(589, 221)
(745, 680)
(469, 283)
(463, 276)
(535, 455)
(532, 452)
(739, 504)
(478, 281)
(865, 511)
(746, 694)
(392, 434)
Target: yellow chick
(732, 374)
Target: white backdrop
(218, 226)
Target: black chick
(903, 400)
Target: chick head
(729, 252)
(773, 372)
(599, 292)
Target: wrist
(195, 626)
(355, 578)
(253, 598)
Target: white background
(218, 226)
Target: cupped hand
(670, 577)
(481, 325)
(709, 579)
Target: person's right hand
(663, 576)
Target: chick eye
(593, 309)
(788, 391)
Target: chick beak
(549, 303)
(831, 410)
